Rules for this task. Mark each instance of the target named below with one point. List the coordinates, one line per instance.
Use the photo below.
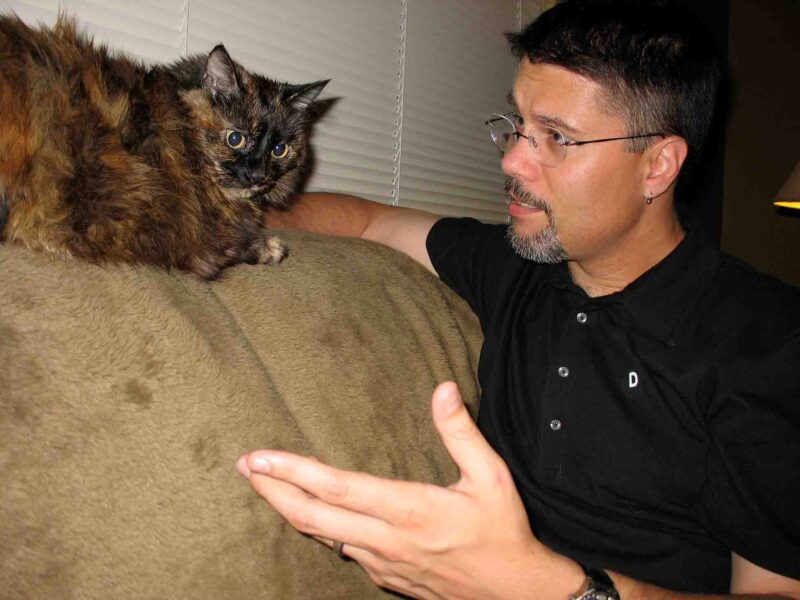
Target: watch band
(598, 586)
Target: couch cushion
(127, 393)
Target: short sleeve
(750, 500)
(474, 259)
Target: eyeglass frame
(570, 142)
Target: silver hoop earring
(649, 198)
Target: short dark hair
(657, 65)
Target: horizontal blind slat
(458, 71)
(354, 143)
(153, 33)
(32, 12)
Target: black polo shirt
(651, 431)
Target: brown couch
(127, 393)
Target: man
(641, 399)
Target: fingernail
(259, 464)
(241, 466)
(448, 400)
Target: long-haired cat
(105, 159)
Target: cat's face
(254, 130)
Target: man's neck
(615, 269)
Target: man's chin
(540, 246)
(531, 225)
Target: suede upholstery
(127, 393)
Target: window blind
(458, 71)
(32, 11)
(152, 30)
(412, 80)
(355, 43)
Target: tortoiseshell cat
(107, 160)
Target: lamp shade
(789, 196)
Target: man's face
(583, 207)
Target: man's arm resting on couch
(404, 229)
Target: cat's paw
(272, 251)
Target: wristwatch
(598, 586)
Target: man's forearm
(404, 229)
(331, 214)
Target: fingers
(241, 466)
(475, 458)
(386, 574)
(317, 518)
(365, 539)
(388, 500)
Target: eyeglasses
(549, 145)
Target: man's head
(656, 65)
(610, 68)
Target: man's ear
(665, 159)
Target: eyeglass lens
(545, 142)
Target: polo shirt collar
(661, 298)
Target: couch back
(127, 393)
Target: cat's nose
(256, 171)
(247, 175)
(253, 176)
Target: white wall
(415, 80)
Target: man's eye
(556, 136)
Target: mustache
(514, 189)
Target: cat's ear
(301, 96)
(220, 76)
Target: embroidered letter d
(633, 379)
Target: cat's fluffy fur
(107, 160)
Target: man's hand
(469, 540)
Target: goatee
(544, 246)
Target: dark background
(763, 135)
(757, 144)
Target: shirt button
(555, 424)
(563, 371)
(582, 318)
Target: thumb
(473, 455)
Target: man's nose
(518, 162)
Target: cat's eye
(280, 150)
(235, 140)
